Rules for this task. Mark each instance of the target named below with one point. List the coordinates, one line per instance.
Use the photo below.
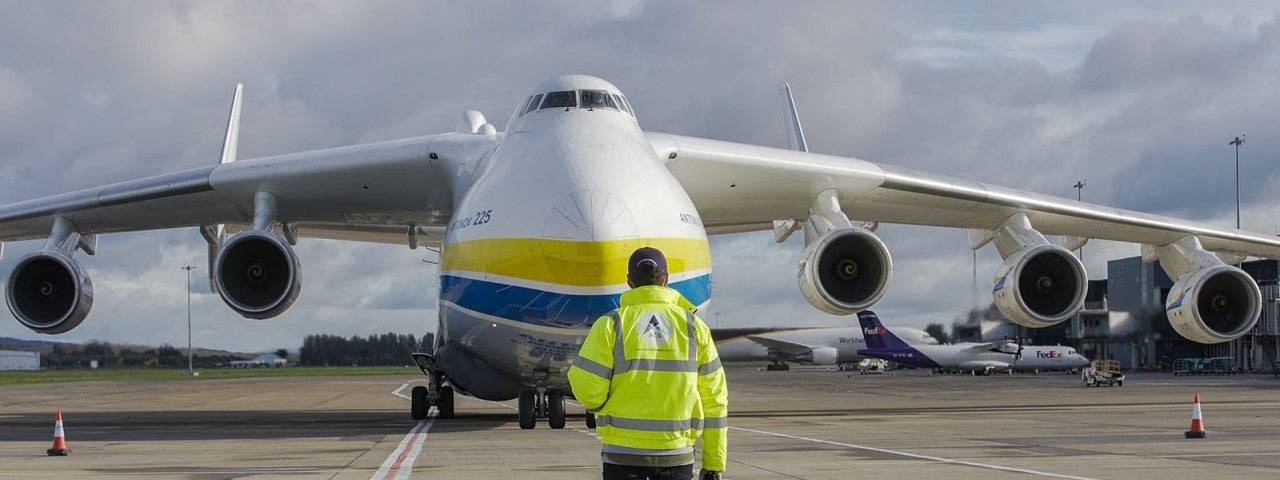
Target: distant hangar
(15, 360)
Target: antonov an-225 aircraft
(535, 225)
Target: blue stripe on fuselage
(542, 307)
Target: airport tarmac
(798, 424)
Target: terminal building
(1124, 319)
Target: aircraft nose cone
(590, 216)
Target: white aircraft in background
(535, 224)
(812, 345)
(980, 358)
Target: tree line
(68, 355)
(384, 349)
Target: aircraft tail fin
(878, 337)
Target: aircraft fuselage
(537, 247)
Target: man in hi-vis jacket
(650, 373)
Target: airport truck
(1103, 372)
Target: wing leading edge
(365, 192)
(740, 187)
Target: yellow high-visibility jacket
(651, 387)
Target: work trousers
(626, 472)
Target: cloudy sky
(1140, 99)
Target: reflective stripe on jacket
(662, 385)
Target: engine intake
(1040, 286)
(846, 271)
(257, 274)
(1214, 305)
(49, 293)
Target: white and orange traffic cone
(59, 439)
(1197, 422)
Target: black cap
(647, 264)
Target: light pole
(1237, 142)
(190, 369)
(1079, 186)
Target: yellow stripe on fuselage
(585, 264)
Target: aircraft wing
(783, 346)
(1000, 346)
(377, 192)
(740, 187)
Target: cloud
(1140, 99)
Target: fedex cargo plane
(981, 358)
(812, 345)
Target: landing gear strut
(541, 403)
(535, 405)
(436, 393)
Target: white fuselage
(537, 248)
(962, 356)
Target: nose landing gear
(436, 393)
(541, 403)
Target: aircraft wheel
(784, 367)
(525, 414)
(418, 403)
(555, 409)
(444, 406)
(591, 420)
(770, 367)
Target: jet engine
(819, 356)
(49, 293)
(1214, 304)
(1040, 286)
(845, 271)
(257, 274)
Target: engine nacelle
(819, 356)
(846, 271)
(1040, 286)
(48, 292)
(257, 274)
(1214, 305)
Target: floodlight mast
(1237, 142)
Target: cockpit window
(597, 99)
(565, 99)
(533, 104)
(618, 99)
(627, 105)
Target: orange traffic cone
(59, 439)
(1197, 423)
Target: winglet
(232, 139)
(795, 134)
(214, 234)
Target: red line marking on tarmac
(399, 464)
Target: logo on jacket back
(655, 331)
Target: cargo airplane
(811, 345)
(535, 223)
(980, 358)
